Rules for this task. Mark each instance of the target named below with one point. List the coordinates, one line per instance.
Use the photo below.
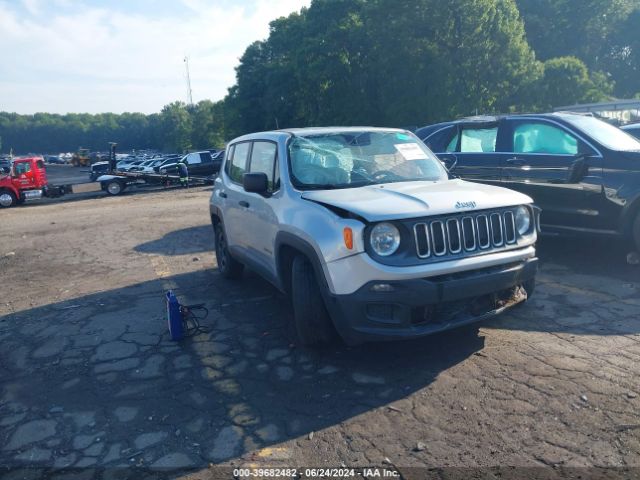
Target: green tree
(207, 125)
(566, 81)
(623, 59)
(175, 127)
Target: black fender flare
(286, 239)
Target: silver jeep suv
(369, 233)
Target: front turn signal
(347, 234)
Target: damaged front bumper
(391, 310)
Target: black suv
(584, 173)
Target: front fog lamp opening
(523, 220)
(384, 239)
(382, 287)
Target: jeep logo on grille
(465, 205)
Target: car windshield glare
(606, 134)
(357, 158)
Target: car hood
(416, 199)
(632, 155)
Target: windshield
(357, 158)
(604, 133)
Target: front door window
(544, 139)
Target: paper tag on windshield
(410, 151)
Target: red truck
(26, 180)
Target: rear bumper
(417, 307)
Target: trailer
(114, 183)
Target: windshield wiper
(319, 186)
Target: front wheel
(228, 266)
(7, 199)
(311, 319)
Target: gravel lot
(90, 379)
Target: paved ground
(89, 378)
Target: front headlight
(523, 220)
(384, 239)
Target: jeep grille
(470, 232)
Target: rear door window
(535, 137)
(205, 157)
(478, 140)
(238, 165)
(263, 159)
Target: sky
(94, 56)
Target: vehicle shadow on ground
(589, 255)
(181, 242)
(106, 386)
(101, 369)
(584, 286)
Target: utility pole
(189, 96)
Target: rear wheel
(311, 319)
(7, 199)
(114, 187)
(228, 266)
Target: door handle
(242, 203)
(516, 161)
(223, 195)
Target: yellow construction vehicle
(81, 158)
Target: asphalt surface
(91, 380)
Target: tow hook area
(479, 306)
(499, 300)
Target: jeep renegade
(369, 233)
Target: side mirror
(255, 182)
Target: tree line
(177, 128)
(383, 62)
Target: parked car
(200, 164)
(368, 233)
(53, 159)
(5, 166)
(167, 160)
(129, 166)
(632, 129)
(584, 173)
(146, 166)
(149, 166)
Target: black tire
(311, 319)
(227, 265)
(114, 187)
(7, 199)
